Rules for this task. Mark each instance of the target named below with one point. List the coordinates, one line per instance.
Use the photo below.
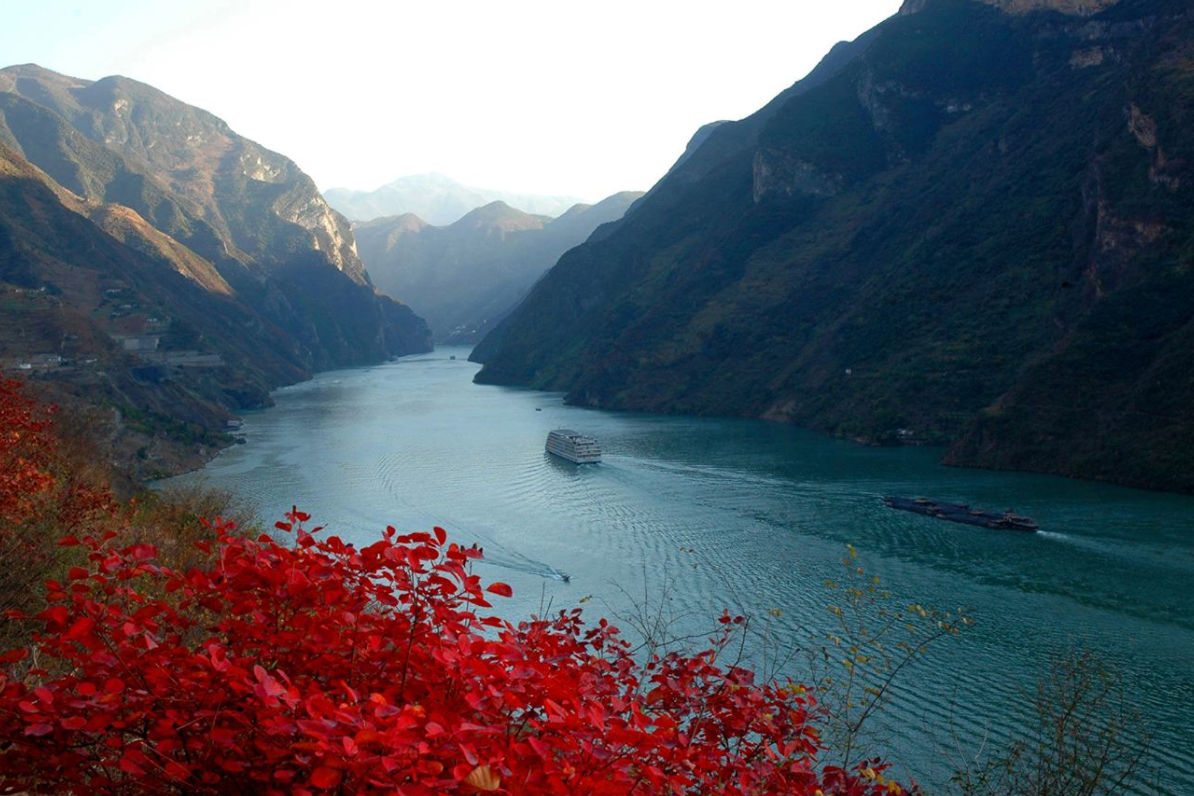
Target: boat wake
(496, 554)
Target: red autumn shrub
(25, 452)
(42, 493)
(322, 667)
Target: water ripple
(697, 515)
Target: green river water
(704, 514)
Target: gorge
(969, 227)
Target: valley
(967, 228)
(892, 374)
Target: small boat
(576, 448)
(960, 512)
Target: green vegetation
(973, 233)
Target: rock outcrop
(968, 227)
(181, 270)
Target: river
(700, 514)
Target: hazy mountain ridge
(436, 199)
(969, 227)
(201, 269)
(466, 276)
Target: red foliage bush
(42, 493)
(24, 453)
(322, 667)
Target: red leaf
(500, 589)
(80, 629)
(176, 770)
(144, 552)
(325, 778)
(540, 748)
(37, 730)
(55, 615)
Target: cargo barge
(960, 512)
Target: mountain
(156, 263)
(465, 277)
(436, 199)
(972, 226)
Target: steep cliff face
(155, 262)
(94, 322)
(969, 226)
(249, 195)
(250, 214)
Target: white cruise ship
(572, 446)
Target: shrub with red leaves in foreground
(321, 667)
(24, 446)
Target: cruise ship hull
(576, 448)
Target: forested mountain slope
(973, 226)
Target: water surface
(705, 514)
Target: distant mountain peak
(465, 276)
(437, 199)
(496, 206)
(40, 73)
(405, 221)
(575, 210)
(500, 214)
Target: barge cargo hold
(960, 512)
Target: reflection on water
(750, 516)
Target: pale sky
(567, 97)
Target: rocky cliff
(249, 195)
(157, 263)
(969, 228)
